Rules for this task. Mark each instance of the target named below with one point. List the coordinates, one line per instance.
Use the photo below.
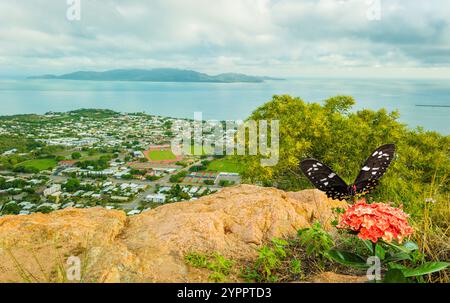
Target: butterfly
(325, 179)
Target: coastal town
(92, 158)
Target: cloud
(279, 37)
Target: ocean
(229, 101)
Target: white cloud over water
(278, 37)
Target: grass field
(160, 155)
(40, 164)
(225, 165)
(67, 154)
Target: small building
(70, 204)
(119, 198)
(10, 152)
(53, 189)
(138, 154)
(156, 198)
(164, 189)
(133, 212)
(97, 196)
(67, 163)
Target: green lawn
(67, 154)
(225, 165)
(40, 164)
(160, 155)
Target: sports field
(225, 165)
(161, 155)
(40, 164)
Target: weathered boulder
(149, 247)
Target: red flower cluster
(376, 220)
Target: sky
(283, 38)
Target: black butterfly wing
(374, 168)
(325, 179)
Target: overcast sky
(261, 37)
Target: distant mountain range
(156, 75)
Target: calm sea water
(228, 101)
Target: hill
(156, 75)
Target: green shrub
(316, 241)
(219, 266)
(269, 261)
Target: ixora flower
(376, 221)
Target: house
(119, 198)
(97, 196)
(88, 194)
(157, 198)
(67, 163)
(133, 212)
(51, 190)
(10, 152)
(164, 189)
(70, 204)
(78, 193)
(26, 205)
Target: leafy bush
(269, 261)
(177, 178)
(10, 208)
(225, 183)
(316, 241)
(76, 155)
(220, 266)
(401, 263)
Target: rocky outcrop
(150, 247)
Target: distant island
(156, 75)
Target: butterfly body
(325, 179)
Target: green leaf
(411, 246)
(368, 244)
(394, 276)
(380, 252)
(398, 257)
(396, 266)
(426, 268)
(347, 258)
(408, 247)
